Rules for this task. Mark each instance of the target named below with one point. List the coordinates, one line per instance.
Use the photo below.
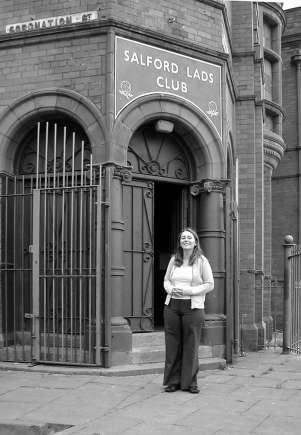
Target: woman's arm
(167, 281)
(207, 281)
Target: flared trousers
(182, 338)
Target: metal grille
(295, 299)
(138, 254)
(51, 255)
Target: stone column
(210, 226)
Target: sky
(287, 4)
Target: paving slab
(259, 394)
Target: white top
(202, 281)
(182, 278)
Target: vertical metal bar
(81, 247)
(288, 245)
(297, 303)
(6, 266)
(292, 294)
(108, 267)
(296, 286)
(14, 266)
(71, 244)
(38, 154)
(54, 246)
(98, 269)
(22, 266)
(36, 275)
(31, 189)
(46, 154)
(91, 196)
(54, 154)
(62, 244)
(45, 253)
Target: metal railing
(52, 220)
(292, 297)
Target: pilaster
(121, 332)
(210, 219)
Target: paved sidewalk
(259, 394)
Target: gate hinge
(31, 316)
(30, 249)
(103, 348)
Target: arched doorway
(156, 205)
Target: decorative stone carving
(124, 173)
(208, 186)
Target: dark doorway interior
(168, 221)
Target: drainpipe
(296, 59)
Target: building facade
(286, 179)
(120, 124)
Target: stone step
(154, 353)
(151, 368)
(143, 339)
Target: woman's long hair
(196, 253)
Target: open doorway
(169, 218)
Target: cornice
(102, 26)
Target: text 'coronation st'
(164, 66)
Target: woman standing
(187, 280)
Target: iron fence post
(287, 245)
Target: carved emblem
(195, 189)
(126, 89)
(212, 109)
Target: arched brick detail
(204, 143)
(20, 117)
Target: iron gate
(138, 254)
(52, 262)
(292, 299)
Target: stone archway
(22, 115)
(191, 124)
(209, 163)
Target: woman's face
(187, 240)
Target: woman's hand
(177, 292)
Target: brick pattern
(285, 188)
(192, 21)
(74, 64)
(80, 63)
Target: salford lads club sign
(142, 69)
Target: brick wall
(285, 181)
(192, 21)
(72, 64)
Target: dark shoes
(172, 388)
(194, 389)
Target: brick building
(120, 123)
(286, 179)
